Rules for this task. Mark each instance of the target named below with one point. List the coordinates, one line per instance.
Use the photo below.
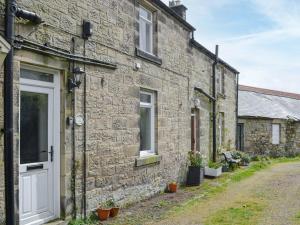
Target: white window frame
(276, 139)
(151, 106)
(150, 22)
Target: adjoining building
(269, 122)
(103, 99)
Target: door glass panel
(145, 126)
(34, 127)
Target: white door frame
(55, 85)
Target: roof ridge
(269, 92)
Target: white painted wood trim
(151, 105)
(56, 124)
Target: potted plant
(104, 210)
(243, 156)
(213, 169)
(245, 159)
(114, 211)
(196, 169)
(225, 167)
(172, 187)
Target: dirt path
(274, 194)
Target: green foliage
(258, 158)
(246, 158)
(233, 166)
(208, 190)
(161, 204)
(214, 165)
(242, 174)
(108, 204)
(91, 220)
(241, 213)
(196, 159)
(243, 156)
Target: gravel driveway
(278, 187)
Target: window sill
(148, 57)
(147, 160)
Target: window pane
(149, 37)
(145, 128)
(145, 98)
(34, 75)
(142, 35)
(145, 14)
(34, 127)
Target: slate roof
(266, 103)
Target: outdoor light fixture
(196, 103)
(75, 81)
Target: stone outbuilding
(103, 99)
(269, 122)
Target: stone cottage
(103, 99)
(268, 122)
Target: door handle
(51, 153)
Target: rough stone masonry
(114, 166)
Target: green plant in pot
(245, 160)
(114, 211)
(243, 156)
(225, 166)
(196, 169)
(214, 169)
(103, 210)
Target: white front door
(39, 148)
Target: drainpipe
(237, 111)
(10, 12)
(214, 105)
(8, 116)
(73, 173)
(84, 139)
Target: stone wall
(113, 99)
(258, 136)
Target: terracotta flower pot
(114, 211)
(103, 214)
(172, 187)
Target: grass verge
(243, 211)
(212, 187)
(246, 212)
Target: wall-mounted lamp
(196, 102)
(76, 80)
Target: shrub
(243, 156)
(196, 159)
(246, 158)
(214, 165)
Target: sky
(260, 38)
